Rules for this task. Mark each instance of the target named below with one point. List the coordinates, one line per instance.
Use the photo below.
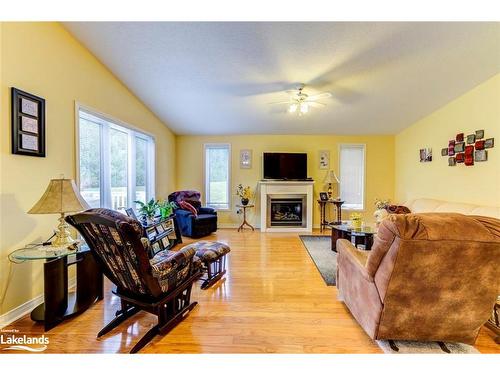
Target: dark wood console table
(322, 209)
(60, 304)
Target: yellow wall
(478, 184)
(44, 59)
(379, 164)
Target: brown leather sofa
(428, 277)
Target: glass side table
(59, 303)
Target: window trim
(229, 166)
(363, 146)
(151, 173)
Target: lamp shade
(61, 196)
(331, 178)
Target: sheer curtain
(217, 175)
(352, 176)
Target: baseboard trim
(26, 308)
(236, 226)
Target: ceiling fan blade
(322, 95)
(315, 104)
(277, 103)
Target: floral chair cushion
(171, 268)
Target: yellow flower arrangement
(244, 192)
(355, 220)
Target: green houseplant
(148, 210)
(166, 208)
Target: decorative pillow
(188, 207)
(196, 204)
(395, 209)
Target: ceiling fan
(300, 102)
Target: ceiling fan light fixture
(292, 108)
(304, 108)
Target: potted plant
(166, 208)
(245, 193)
(148, 210)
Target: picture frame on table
(166, 225)
(323, 196)
(165, 242)
(156, 247)
(151, 233)
(131, 213)
(27, 123)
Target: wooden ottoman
(212, 255)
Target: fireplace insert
(287, 212)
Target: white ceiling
(217, 78)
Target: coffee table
(357, 236)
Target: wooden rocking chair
(160, 286)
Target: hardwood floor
(272, 300)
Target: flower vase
(244, 201)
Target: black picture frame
(131, 213)
(28, 123)
(323, 196)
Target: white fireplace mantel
(286, 188)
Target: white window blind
(115, 163)
(217, 175)
(352, 176)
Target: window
(352, 176)
(115, 163)
(217, 167)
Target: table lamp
(331, 178)
(60, 197)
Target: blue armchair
(191, 225)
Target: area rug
(319, 249)
(419, 347)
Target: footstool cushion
(212, 255)
(210, 250)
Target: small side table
(245, 222)
(59, 304)
(322, 209)
(338, 206)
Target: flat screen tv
(285, 166)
